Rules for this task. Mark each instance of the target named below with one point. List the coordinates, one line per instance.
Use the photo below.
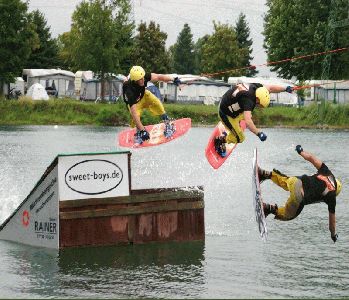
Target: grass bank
(71, 112)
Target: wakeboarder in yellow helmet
(236, 105)
(138, 98)
(305, 190)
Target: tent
(37, 92)
(64, 80)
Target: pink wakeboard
(156, 132)
(214, 159)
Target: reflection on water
(153, 254)
(151, 270)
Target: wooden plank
(185, 225)
(93, 232)
(131, 227)
(173, 194)
(132, 210)
(182, 225)
(173, 189)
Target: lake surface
(299, 259)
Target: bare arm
(136, 117)
(312, 159)
(161, 77)
(332, 223)
(275, 88)
(249, 122)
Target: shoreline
(194, 125)
(69, 112)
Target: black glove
(262, 136)
(177, 81)
(334, 237)
(289, 89)
(144, 135)
(299, 149)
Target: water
(299, 260)
(171, 15)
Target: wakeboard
(214, 159)
(126, 138)
(257, 199)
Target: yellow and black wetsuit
(304, 190)
(234, 102)
(135, 94)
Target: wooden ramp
(145, 216)
(87, 200)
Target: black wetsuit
(235, 102)
(320, 187)
(132, 92)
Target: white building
(195, 89)
(52, 79)
(88, 87)
(18, 85)
(329, 90)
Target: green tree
(65, 43)
(17, 39)
(45, 56)
(150, 48)
(98, 40)
(124, 27)
(183, 52)
(243, 37)
(221, 52)
(198, 53)
(289, 33)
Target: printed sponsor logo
(25, 218)
(93, 177)
(46, 230)
(43, 195)
(43, 204)
(45, 227)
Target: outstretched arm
(309, 157)
(166, 78)
(332, 223)
(278, 88)
(161, 77)
(332, 226)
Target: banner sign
(93, 176)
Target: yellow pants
(291, 208)
(234, 132)
(150, 102)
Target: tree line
(103, 38)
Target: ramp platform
(87, 200)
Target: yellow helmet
(263, 95)
(136, 73)
(339, 187)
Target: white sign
(93, 176)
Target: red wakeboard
(156, 132)
(214, 159)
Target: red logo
(329, 184)
(25, 218)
